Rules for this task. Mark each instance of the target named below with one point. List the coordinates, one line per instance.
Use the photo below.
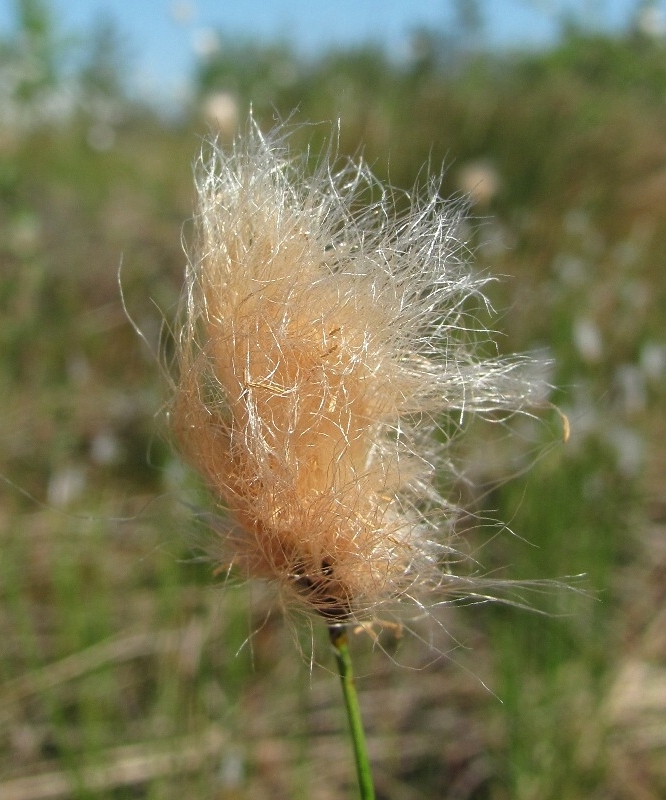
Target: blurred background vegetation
(125, 665)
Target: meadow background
(122, 667)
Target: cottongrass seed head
(325, 336)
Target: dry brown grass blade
(78, 664)
(121, 766)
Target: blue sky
(163, 36)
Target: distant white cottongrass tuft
(325, 338)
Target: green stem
(338, 634)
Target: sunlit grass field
(128, 669)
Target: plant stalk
(338, 634)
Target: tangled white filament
(325, 334)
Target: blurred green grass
(128, 669)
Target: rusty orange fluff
(323, 336)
